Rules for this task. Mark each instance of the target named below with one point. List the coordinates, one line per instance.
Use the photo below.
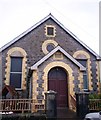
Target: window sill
(18, 89)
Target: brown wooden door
(58, 82)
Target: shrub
(94, 96)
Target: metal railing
(21, 105)
(95, 104)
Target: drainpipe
(28, 83)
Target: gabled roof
(39, 23)
(58, 48)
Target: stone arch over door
(70, 77)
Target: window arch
(16, 68)
(84, 58)
(48, 45)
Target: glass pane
(16, 64)
(15, 80)
(50, 31)
(85, 82)
(50, 47)
(83, 62)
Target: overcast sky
(79, 16)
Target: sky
(81, 17)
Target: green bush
(94, 96)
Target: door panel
(58, 82)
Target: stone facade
(34, 43)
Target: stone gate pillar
(50, 104)
(82, 102)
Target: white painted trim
(39, 23)
(34, 67)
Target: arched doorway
(57, 81)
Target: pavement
(66, 114)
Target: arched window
(85, 74)
(16, 68)
(16, 72)
(84, 58)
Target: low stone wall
(24, 117)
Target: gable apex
(34, 67)
(50, 16)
